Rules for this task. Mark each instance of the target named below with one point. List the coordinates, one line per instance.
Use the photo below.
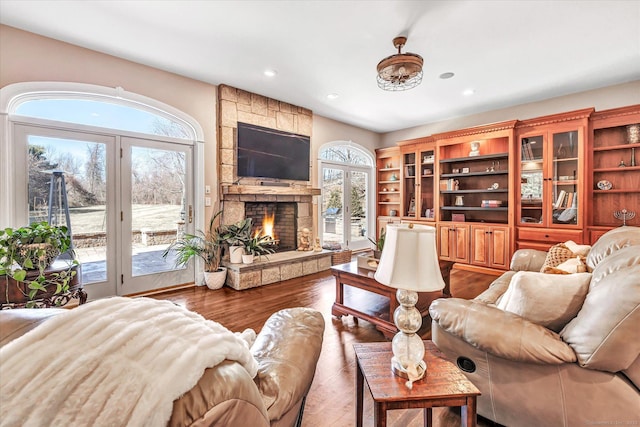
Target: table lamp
(409, 263)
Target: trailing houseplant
(204, 245)
(32, 249)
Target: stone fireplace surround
(236, 105)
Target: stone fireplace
(290, 201)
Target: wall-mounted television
(269, 153)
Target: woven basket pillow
(556, 255)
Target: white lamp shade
(409, 259)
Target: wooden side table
(443, 385)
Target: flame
(267, 225)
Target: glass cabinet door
(427, 189)
(409, 185)
(564, 177)
(532, 189)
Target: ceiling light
(401, 71)
(468, 92)
(270, 73)
(333, 96)
(446, 75)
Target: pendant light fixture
(401, 71)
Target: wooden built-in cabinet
(612, 187)
(388, 180)
(473, 195)
(529, 184)
(453, 242)
(490, 246)
(550, 191)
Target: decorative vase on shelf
(459, 201)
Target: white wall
(601, 99)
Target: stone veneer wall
(236, 105)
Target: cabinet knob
(546, 236)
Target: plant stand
(16, 294)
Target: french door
(125, 200)
(345, 214)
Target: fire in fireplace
(276, 219)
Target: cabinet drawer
(548, 235)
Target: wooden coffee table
(350, 275)
(443, 385)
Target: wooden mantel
(270, 190)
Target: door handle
(190, 214)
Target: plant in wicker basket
(33, 248)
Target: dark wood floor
(331, 400)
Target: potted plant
(25, 254)
(257, 246)
(206, 246)
(234, 235)
(379, 244)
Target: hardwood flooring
(331, 400)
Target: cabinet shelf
(473, 208)
(617, 190)
(501, 190)
(617, 147)
(566, 182)
(618, 169)
(474, 158)
(389, 170)
(566, 159)
(388, 203)
(397, 181)
(389, 192)
(461, 175)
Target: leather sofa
(286, 350)
(587, 372)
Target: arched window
(119, 169)
(346, 212)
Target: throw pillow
(582, 250)
(556, 255)
(549, 301)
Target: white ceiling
(508, 52)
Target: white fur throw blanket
(116, 362)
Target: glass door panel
(532, 180)
(66, 175)
(157, 206)
(332, 206)
(427, 207)
(359, 182)
(564, 178)
(409, 185)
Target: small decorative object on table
(305, 240)
(465, 170)
(633, 156)
(624, 215)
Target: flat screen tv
(269, 153)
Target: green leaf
(19, 275)
(28, 264)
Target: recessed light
(333, 96)
(468, 92)
(270, 73)
(446, 75)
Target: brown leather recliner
(587, 374)
(286, 349)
